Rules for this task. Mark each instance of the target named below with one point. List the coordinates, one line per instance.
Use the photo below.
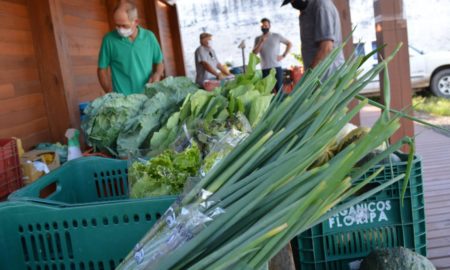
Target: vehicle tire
(440, 83)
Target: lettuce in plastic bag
(164, 174)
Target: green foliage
(117, 123)
(433, 105)
(164, 174)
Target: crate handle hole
(366, 188)
(48, 190)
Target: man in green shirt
(130, 57)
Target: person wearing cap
(130, 56)
(267, 46)
(320, 31)
(207, 65)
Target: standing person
(207, 65)
(131, 54)
(320, 31)
(268, 46)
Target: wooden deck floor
(434, 149)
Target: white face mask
(210, 43)
(125, 32)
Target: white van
(428, 70)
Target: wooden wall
(85, 23)
(22, 108)
(48, 60)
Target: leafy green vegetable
(106, 117)
(174, 85)
(266, 85)
(258, 106)
(201, 107)
(248, 95)
(167, 134)
(165, 98)
(164, 174)
(118, 124)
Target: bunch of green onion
(267, 187)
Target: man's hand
(261, 41)
(280, 57)
(104, 79)
(220, 76)
(158, 73)
(155, 78)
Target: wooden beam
(54, 66)
(178, 42)
(391, 29)
(157, 25)
(343, 7)
(152, 17)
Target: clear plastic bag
(221, 147)
(177, 226)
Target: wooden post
(152, 17)
(177, 41)
(391, 29)
(343, 7)
(283, 260)
(163, 21)
(54, 66)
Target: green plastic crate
(38, 237)
(80, 181)
(377, 222)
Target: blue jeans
(278, 76)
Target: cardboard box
(30, 172)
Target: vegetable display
(248, 95)
(116, 123)
(269, 188)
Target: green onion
(268, 186)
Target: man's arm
(259, 43)
(211, 70)
(325, 47)
(157, 75)
(105, 79)
(286, 51)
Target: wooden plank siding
(23, 111)
(85, 24)
(48, 60)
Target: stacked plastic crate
(10, 172)
(381, 221)
(77, 217)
